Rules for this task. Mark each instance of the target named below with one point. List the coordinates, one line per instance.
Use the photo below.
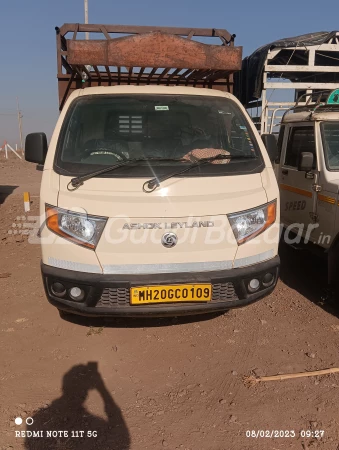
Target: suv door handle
(284, 171)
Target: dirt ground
(160, 383)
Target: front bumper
(108, 295)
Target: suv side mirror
(270, 143)
(36, 148)
(306, 161)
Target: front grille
(115, 297)
(224, 292)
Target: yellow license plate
(142, 295)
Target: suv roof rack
(325, 100)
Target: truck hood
(178, 197)
(194, 209)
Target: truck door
(327, 205)
(280, 145)
(296, 193)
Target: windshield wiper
(151, 185)
(76, 182)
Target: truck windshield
(158, 130)
(330, 135)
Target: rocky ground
(153, 384)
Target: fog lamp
(268, 279)
(253, 285)
(76, 293)
(58, 289)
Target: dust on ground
(160, 383)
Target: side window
(301, 139)
(280, 142)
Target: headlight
(248, 224)
(81, 229)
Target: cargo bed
(142, 55)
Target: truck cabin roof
(309, 117)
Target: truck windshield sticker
(247, 137)
(161, 108)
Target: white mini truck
(158, 196)
(308, 174)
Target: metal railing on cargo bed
(142, 55)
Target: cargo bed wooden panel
(154, 50)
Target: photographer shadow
(68, 414)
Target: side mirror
(36, 148)
(306, 161)
(270, 143)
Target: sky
(28, 46)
